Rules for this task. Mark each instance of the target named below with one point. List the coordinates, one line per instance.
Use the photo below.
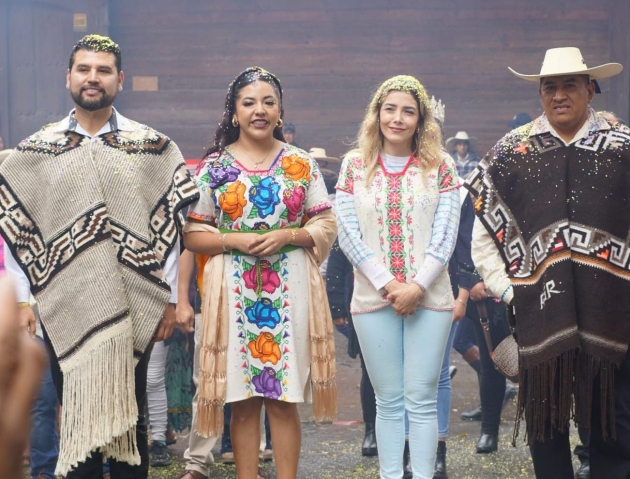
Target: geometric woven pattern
(562, 240)
(44, 261)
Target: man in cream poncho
(88, 210)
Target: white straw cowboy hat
(461, 136)
(569, 61)
(323, 160)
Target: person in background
(462, 149)
(398, 211)
(21, 365)
(288, 130)
(1, 143)
(519, 120)
(198, 455)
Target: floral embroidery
(296, 168)
(267, 383)
(263, 279)
(265, 348)
(447, 176)
(264, 196)
(394, 225)
(219, 174)
(293, 200)
(233, 200)
(262, 313)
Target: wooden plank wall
(36, 38)
(330, 55)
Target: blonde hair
(426, 143)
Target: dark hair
(97, 43)
(289, 127)
(227, 133)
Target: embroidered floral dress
(268, 345)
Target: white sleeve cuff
(376, 273)
(22, 285)
(429, 271)
(171, 270)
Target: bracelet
(24, 305)
(223, 241)
(463, 302)
(293, 235)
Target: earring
(234, 122)
(280, 123)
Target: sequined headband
(98, 43)
(250, 75)
(405, 83)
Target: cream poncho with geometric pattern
(91, 223)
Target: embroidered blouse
(403, 227)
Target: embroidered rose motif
(221, 174)
(265, 196)
(261, 225)
(267, 384)
(445, 174)
(268, 277)
(233, 200)
(293, 199)
(296, 168)
(263, 314)
(265, 348)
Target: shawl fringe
(560, 390)
(98, 412)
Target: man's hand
(165, 328)
(21, 365)
(185, 317)
(478, 291)
(26, 319)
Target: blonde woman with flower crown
(398, 213)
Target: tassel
(99, 406)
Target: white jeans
(156, 392)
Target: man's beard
(92, 104)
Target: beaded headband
(405, 83)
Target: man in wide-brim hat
(325, 161)
(550, 239)
(463, 150)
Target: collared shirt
(116, 122)
(594, 122)
(485, 253)
(467, 165)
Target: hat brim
(596, 73)
(450, 143)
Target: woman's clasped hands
(259, 244)
(405, 297)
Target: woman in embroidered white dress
(398, 213)
(265, 219)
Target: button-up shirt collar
(594, 122)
